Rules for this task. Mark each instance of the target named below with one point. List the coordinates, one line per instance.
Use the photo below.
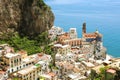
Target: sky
(103, 15)
(109, 10)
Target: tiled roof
(52, 74)
(111, 71)
(90, 35)
(64, 36)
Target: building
(44, 66)
(44, 57)
(48, 76)
(3, 75)
(73, 33)
(62, 49)
(73, 42)
(12, 62)
(94, 39)
(63, 37)
(54, 32)
(23, 54)
(89, 37)
(90, 43)
(29, 73)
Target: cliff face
(27, 17)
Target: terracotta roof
(2, 72)
(22, 52)
(68, 66)
(77, 70)
(64, 36)
(40, 55)
(65, 65)
(52, 74)
(90, 35)
(111, 71)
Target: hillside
(27, 17)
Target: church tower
(84, 28)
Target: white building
(44, 66)
(13, 60)
(62, 49)
(54, 32)
(73, 33)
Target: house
(44, 66)
(28, 73)
(54, 32)
(49, 76)
(69, 57)
(12, 62)
(44, 57)
(75, 76)
(73, 33)
(62, 49)
(3, 75)
(23, 54)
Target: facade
(3, 75)
(13, 60)
(62, 49)
(54, 32)
(44, 66)
(63, 37)
(73, 33)
(29, 73)
(23, 54)
(74, 42)
(95, 42)
(49, 76)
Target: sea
(104, 17)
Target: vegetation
(42, 5)
(31, 46)
(103, 75)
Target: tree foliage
(104, 75)
(31, 46)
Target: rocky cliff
(27, 17)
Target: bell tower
(84, 28)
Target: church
(89, 44)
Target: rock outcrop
(27, 17)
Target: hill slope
(27, 17)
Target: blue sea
(103, 15)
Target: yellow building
(62, 49)
(23, 54)
(13, 60)
(29, 73)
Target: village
(72, 59)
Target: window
(23, 65)
(11, 65)
(12, 70)
(8, 71)
(20, 59)
(17, 60)
(11, 61)
(17, 68)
